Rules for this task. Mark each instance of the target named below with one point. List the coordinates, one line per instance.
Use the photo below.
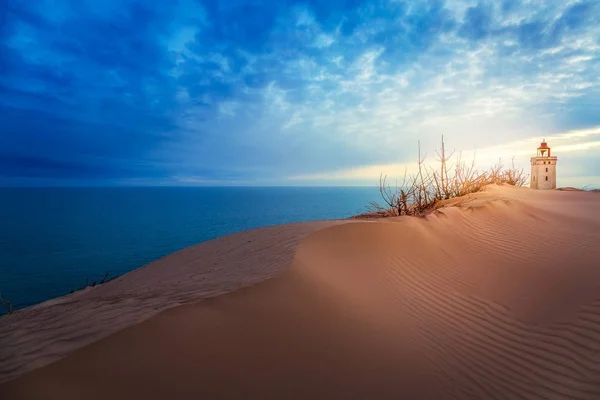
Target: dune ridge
(44, 333)
(494, 296)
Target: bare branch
(7, 304)
(420, 192)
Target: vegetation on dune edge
(7, 304)
(421, 192)
(9, 307)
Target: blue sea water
(52, 239)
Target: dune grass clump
(93, 284)
(7, 304)
(422, 191)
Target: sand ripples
(498, 298)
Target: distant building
(543, 168)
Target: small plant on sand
(423, 190)
(7, 304)
(87, 283)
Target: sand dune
(39, 335)
(495, 296)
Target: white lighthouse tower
(543, 168)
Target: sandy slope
(39, 335)
(497, 297)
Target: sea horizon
(56, 238)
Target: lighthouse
(543, 168)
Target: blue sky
(192, 92)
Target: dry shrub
(7, 304)
(421, 192)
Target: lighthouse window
(546, 178)
(546, 169)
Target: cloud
(477, 22)
(572, 145)
(257, 91)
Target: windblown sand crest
(39, 335)
(495, 296)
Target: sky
(335, 92)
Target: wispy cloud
(251, 91)
(576, 146)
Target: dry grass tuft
(7, 304)
(421, 192)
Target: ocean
(53, 239)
